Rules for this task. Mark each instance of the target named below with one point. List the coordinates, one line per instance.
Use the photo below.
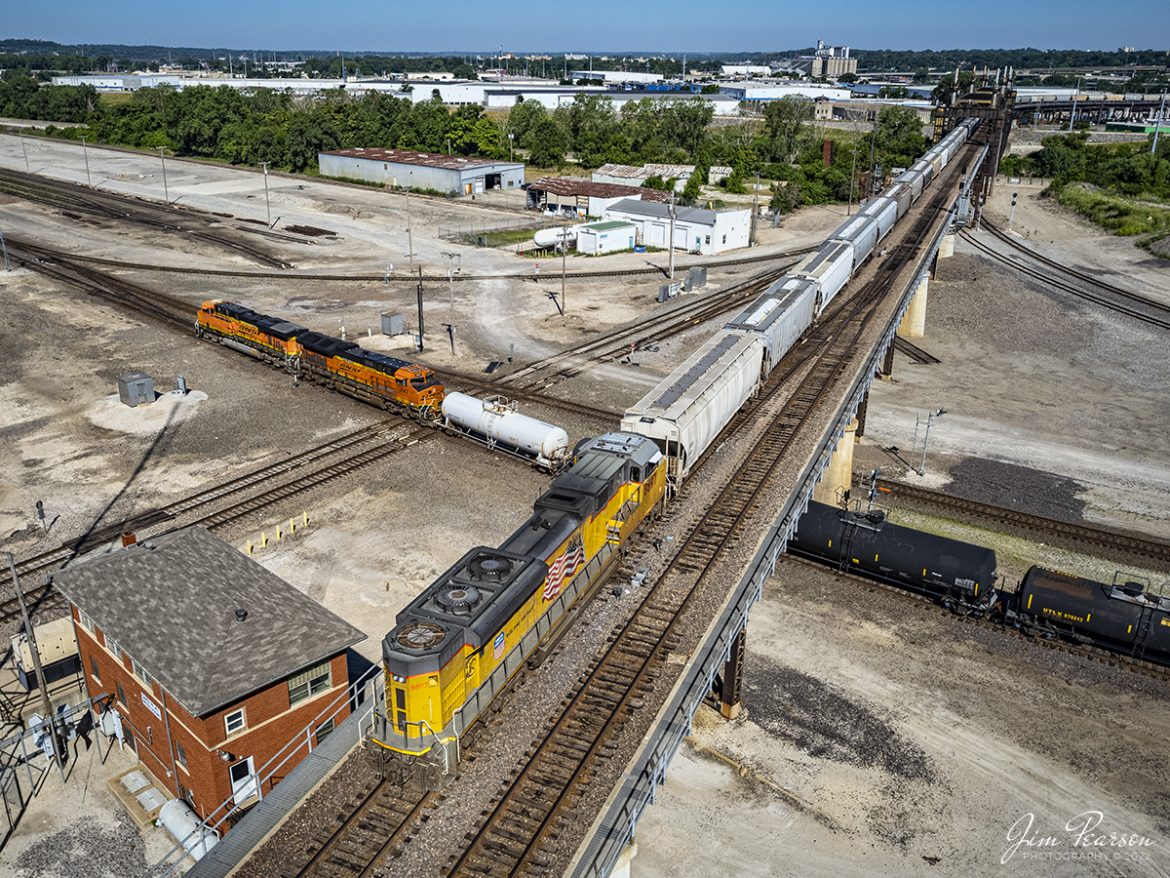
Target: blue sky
(593, 25)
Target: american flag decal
(562, 569)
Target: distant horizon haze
(653, 26)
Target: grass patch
(503, 237)
(114, 99)
(354, 180)
(1121, 216)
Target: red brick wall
(270, 725)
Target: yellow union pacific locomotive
(460, 634)
(388, 382)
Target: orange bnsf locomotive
(388, 382)
(455, 645)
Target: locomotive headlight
(397, 678)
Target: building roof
(426, 159)
(607, 225)
(571, 186)
(630, 172)
(171, 602)
(662, 211)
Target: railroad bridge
(656, 672)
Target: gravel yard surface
(851, 758)
(1052, 404)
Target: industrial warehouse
(436, 479)
(402, 169)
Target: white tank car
(496, 423)
(553, 237)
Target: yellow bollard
(292, 526)
(263, 539)
(249, 548)
(306, 517)
(278, 534)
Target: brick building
(212, 662)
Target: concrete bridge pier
(862, 411)
(833, 488)
(913, 324)
(946, 248)
(621, 869)
(729, 697)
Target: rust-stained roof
(572, 186)
(426, 159)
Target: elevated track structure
(688, 631)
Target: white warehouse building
(707, 232)
(406, 169)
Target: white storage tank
(495, 422)
(181, 822)
(554, 236)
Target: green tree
(547, 143)
(694, 188)
(785, 127)
(523, 118)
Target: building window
(180, 755)
(725, 239)
(234, 721)
(94, 669)
(324, 730)
(708, 239)
(84, 620)
(141, 673)
(308, 683)
(112, 646)
(122, 695)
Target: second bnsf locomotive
(393, 384)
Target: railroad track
(519, 834)
(70, 197)
(322, 465)
(381, 823)
(1075, 283)
(1122, 542)
(625, 340)
(62, 267)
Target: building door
(656, 234)
(243, 780)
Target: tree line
(780, 144)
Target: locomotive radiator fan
(420, 635)
(459, 599)
(492, 568)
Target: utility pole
(564, 258)
(670, 243)
(420, 310)
(166, 190)
(24, 150)
(1153, 146)
(930, 418)
(267, 206)
(755, 210)
(85, 152)
(1072, 115)
(46, 705)
(409, 231)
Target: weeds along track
(226, 503)
(1002, 248)
(1136, 546)
(75, 201)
